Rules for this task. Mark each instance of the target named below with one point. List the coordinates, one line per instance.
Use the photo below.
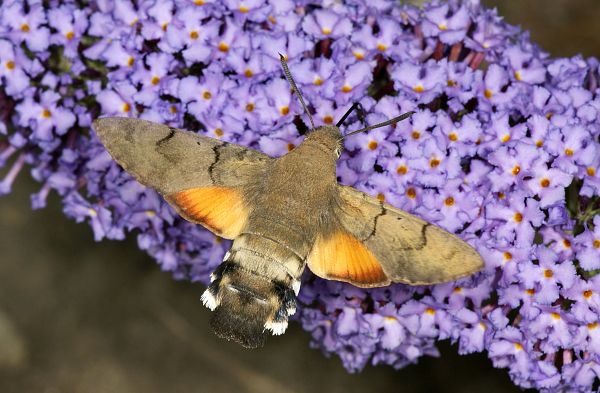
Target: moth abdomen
(249, 304)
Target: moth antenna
(288, 76)
(383, 124)
(356, 106)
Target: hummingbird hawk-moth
(283, 214)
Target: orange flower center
(155, 80)
(46, 114)
(126, 107)
(488, 93)
(516, 169)
(569, 152)
(567, 243)
(416, 135)
(548, 273)
(346, 89)
(130, 61)
(518, 217)
(587, 294)
(507, 255)
(318, 81)
(591, 171)
(358, 55)
(290, 146)
(194, 35)
(596, 243)
(429, 311)
(284, 110)
(328, 119)
(453, 137)
(434, 162)
(69, 35)
(218, 132)
(249, 107)
(449, 201)
(248, 73)
(207, 95)
(518, 75)
(223, 47)
(418, 89)
(545, 182)
(25, 28)
(401, 170)
(381, 197)
(411, 193)
(10, 65)
(372, 145)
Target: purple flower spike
(502, 151)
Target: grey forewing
(409, 249)
(171, 160)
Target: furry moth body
(283, 214)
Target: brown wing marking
(219, 209)
(343, 257)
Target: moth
(283, 214)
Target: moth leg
(360, 113)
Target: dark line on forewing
(452, 254)
(169, 136)
(423, 236)
(374, 230)
(216, 150)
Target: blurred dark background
(80, 316)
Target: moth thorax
(248, 307)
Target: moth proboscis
(283, 214)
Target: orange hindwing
(219, 209)
(343, 257)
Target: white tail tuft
(209, 300)
(296, 287)
(277, 328)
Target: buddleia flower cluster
(503, 150)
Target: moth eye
(338, 152)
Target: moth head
(248, 307)
(328, 136)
